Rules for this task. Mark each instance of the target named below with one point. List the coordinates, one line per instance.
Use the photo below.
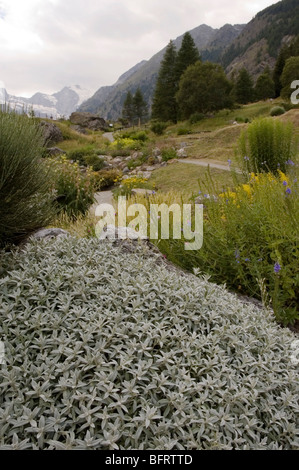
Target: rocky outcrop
(89, 121)
(52, 134)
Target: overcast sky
(47, 44)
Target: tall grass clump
(267, 145)
(25, 203)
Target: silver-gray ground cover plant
(108, 349)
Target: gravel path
(109, 136)
(206, 163)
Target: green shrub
(196, 117)
(158, 128)
(74, 188)
(126, 143)
(108, 349)
(266, 145)
(168, 154)
(277, 111)
(96, 162)
(106, 178)
(139, 135)
(78, 155)
(25, 203)
(183, 131)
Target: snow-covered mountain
(60, 104)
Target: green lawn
(184, 178)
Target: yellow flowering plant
(73, 186)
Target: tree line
(186, 85)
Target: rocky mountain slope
(60, 104)
(260, 41)
(108, 101)
(253, 46)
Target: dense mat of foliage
(109, 349)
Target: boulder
(49, 233)
(142, 192)
(88, 120)
(181, 153)
(51, 133)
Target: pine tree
(278, 69)
(164, 104)
(128, 111)
(285, 53)
(140, 106)
(244, 90)
(187, 55)
(264, 87)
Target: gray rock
(51, 133)
(49, 233)
(88, 120)
(141, 192)
(181, 153)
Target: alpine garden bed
(109, 349)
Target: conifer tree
(244, 87)
(264, 87)
(187, 55)
(164, 104)
(140, 106)
(128, 108)
(278, 69)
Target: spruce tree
(187, 55)
(164, 104)
(285, 53)
(244, 87)
(140, 106)
(264, 87)
(278, 69)
(128, 111)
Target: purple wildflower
(277, 268)
(290, 162)
(289, 191)
(285, 183)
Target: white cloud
(46, 44)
